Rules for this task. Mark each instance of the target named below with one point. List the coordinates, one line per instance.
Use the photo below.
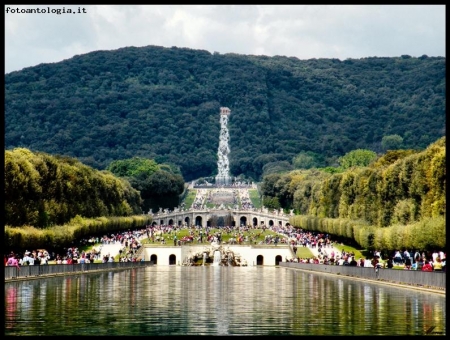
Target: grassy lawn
(256, 235)
(253, 194)
(226, 205)
(304, 252)
(359, 253)
(254, 197)
(190, 198)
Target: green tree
(391, 142)
(307, 160)
(133, 167)
(159, 184)
(276, 167)
(43, 190)
(359, 157)
(268, 185)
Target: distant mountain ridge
(163, 103)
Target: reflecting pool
(214, 300)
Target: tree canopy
(44, 190)
(358, 157)
(160, 185)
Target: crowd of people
(424, 261)
(295, 237)
(129, 240)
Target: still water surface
(173, 300)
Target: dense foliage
(403, 190)
(42, 190)
(163, 104)
(60, 237)
(160, 185)
(357, 158)
(399, 187)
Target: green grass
(304, 252)
(359, 253)
(257, 235)
(226, 205)
(190, 197)
(254, 197)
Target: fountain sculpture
(220, 255)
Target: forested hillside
(163, 104)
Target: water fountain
(215, 255)
(217, 258)
(223, 166)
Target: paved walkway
(110, 249)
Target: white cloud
(303, 31)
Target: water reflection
(206, 300)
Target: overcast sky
(302, 31)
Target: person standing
(27, 259)
(12, 261)
(437, 265)
(416, 255)
(408, 263)
(390, 263)
(398, 258)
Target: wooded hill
(163, 104)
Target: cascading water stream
(223, 166)
(217, 258)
